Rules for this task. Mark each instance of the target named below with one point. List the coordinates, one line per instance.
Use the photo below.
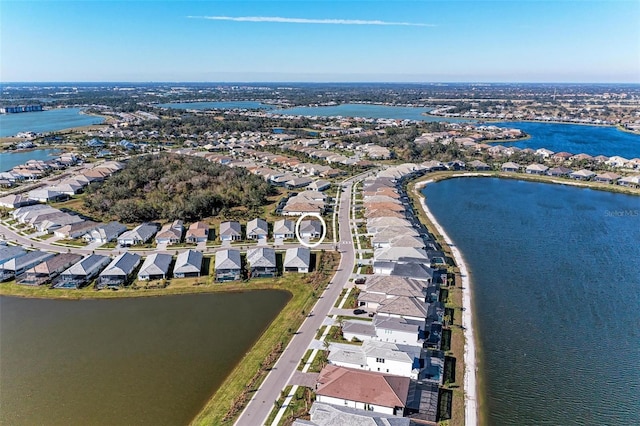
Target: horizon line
(306, 82)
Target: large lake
(45, 121)
(141, 361)
(576, 138)
(10, 159)
(555, 274)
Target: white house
(155, 267)
(230, 231)
(297, 260)
(188, 264)
(284, 229)
(138, 235)
(257, 229)
(364, 390)
(385, 357)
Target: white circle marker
(324, 230)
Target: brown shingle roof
(363, 386)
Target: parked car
(361, 280)
(359, 311)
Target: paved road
(261, 404)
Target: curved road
(261, 404)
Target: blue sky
(412, 41)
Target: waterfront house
(559, 171)
(544, 153)
(105, 232)
(198, 232)
(331, 415)
(138, 235)
(16, 266)
(284, 229)
(228, 265)
(257, 229)
(385, 357)
(536, 169)
(82, 272)
(479, 165)
(118, 271)
(510, 166)
(364, 390)
(171, 233)
(10, 252)
(262, 262)
(230, 231)
(155, 267)
(49, 269)
(607, 177)
(188, 264)
(630, 181)
(297, 260)
(583, 174)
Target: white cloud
(309, 21)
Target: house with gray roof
(118, 271)
(75, 230)
(18, 265)
(188, 264)
(10, 252)
(310, 229)
(138, 235)
(104, 233)
(230, 231)
(536, 169)
(155, 267)
(171, 233)
(583, 174)
(82, 272)
(334, 415)
(510, 166)
(297, 260)
(257, 229)
(46, 271)
(262, 262)
(228, 265)
(284, 229)
(373, 355)
(479, 165)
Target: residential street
(263, 399)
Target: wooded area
(169, 187)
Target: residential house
(559, 171)
(510, 166)
(82, 272)
(630, 181)
(284, 229)
(536, 169)
(310, 229)
(10, 252)
(155, 267)
(171, 233)
(228, 265)
(479, 165)
(118, 271)
(138, 235)
(262, 262)
(297, 260)
(299, 182)
(364, 390)
(75, 230)
(188, 264)
(49, 269)
(198, 232)
(333, 415)
(15, 201)
(583, 174)
(385, 357)
(105, 232)
(257, 229)
(607, 177)
(16, 266)
(46, 195)
(230, 231)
